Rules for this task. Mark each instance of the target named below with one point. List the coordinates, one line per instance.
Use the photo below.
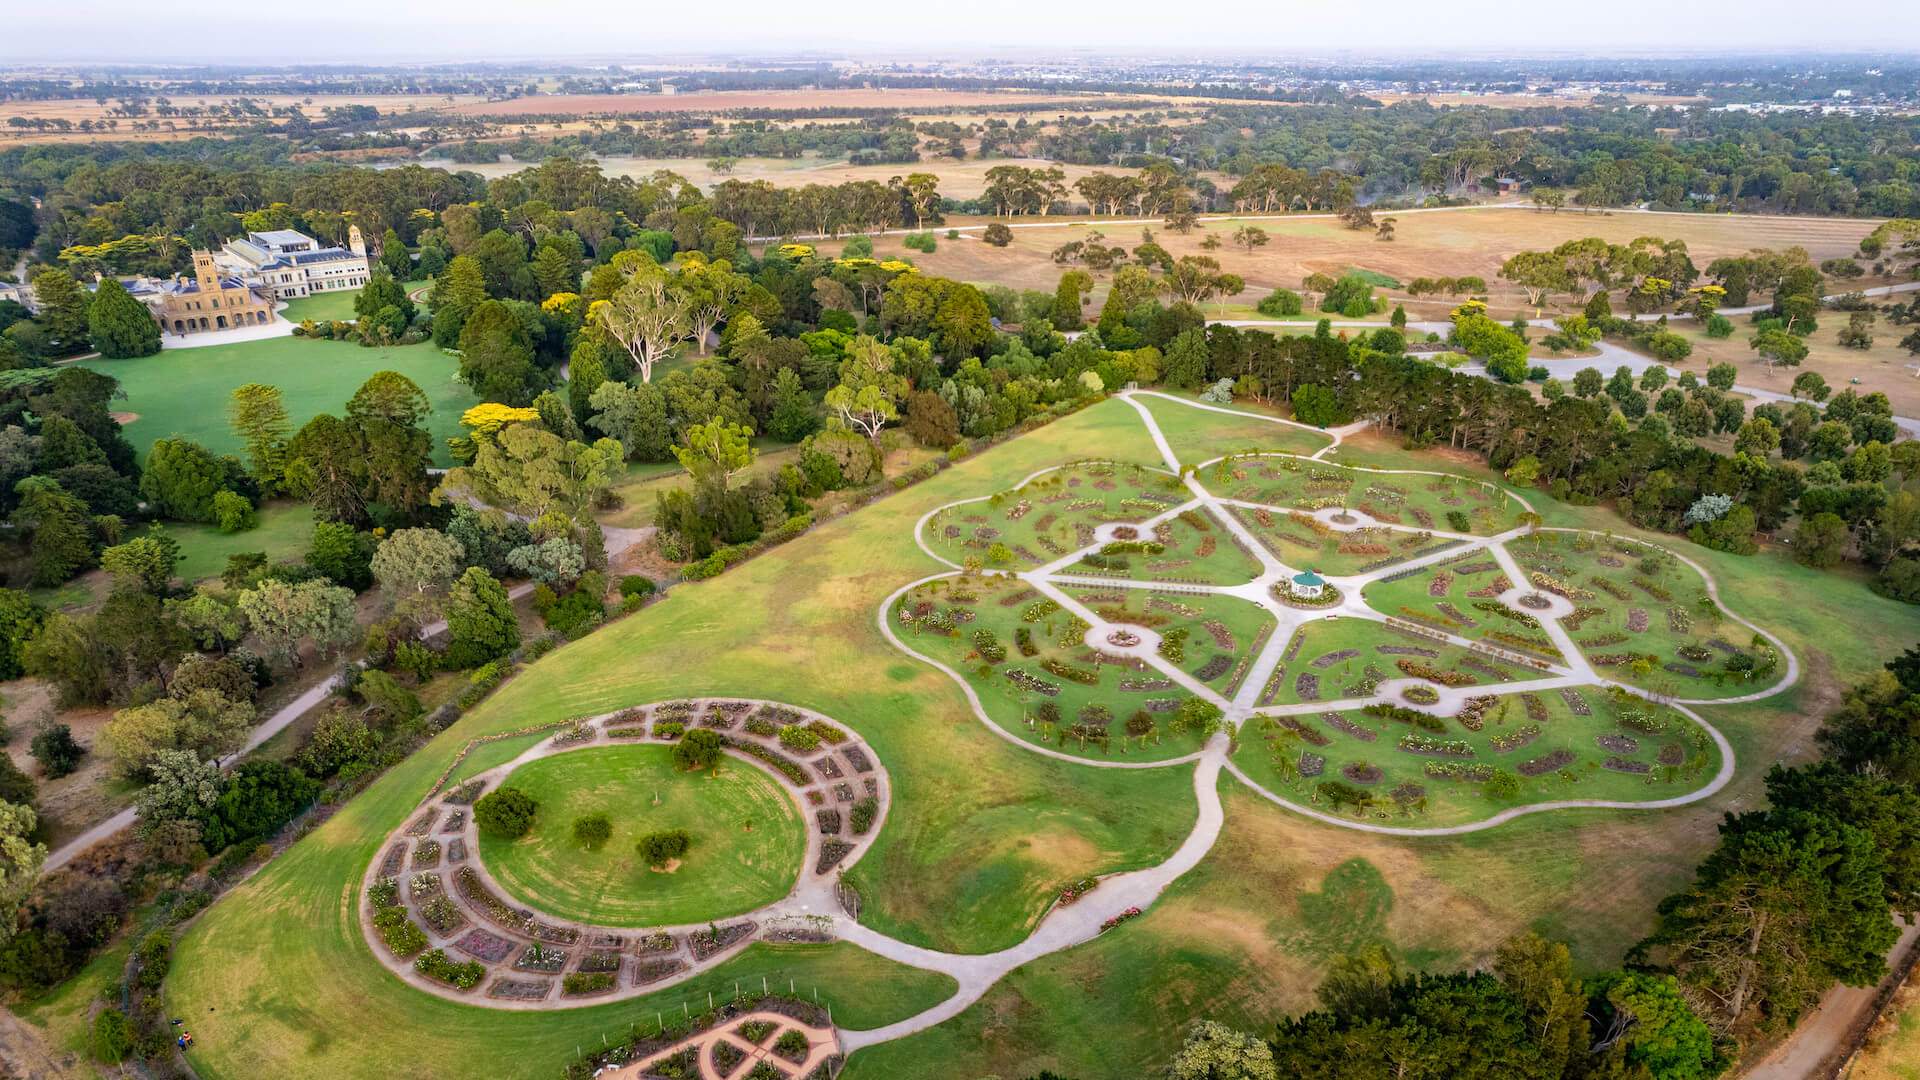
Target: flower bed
(1575, 703)
(1433, 674)
(1464, 771)
(485, 945)
(1440, 585)
(1218, 665)
(476, 893)
(724, 1057)
(831, 853)
(857, 758)
(1673, 754)
(1329, 659)
(863, 814)
(465, 793)
(1306, 686)
(1421, 695)
(653, 971)
(1072, 893)
(1619, 744)
(426, 854)
(1130, 913)
(1622, 765)
(1545, 763)
(1311, 765)
(540, 958)
(718, 939)
(461, 976)
(1473, 712)
(1021, 678)
(442, 915)
(519, 989)
(600, 960)
(1362, 773)
(1340, 723)
(787, 767)
(1415, 743)
(1508, 741)
(583, 983)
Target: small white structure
(1308, 585)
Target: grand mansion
(288, 264)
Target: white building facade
(290, 264)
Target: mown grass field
(747, 839)
(981, 834)
(185, 391)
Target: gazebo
(1308, 585)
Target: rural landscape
(784, 561)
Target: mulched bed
(1456, 614)
(1622, 765)
(1678, 668)
(485, 945)
(1545, 763)
(828, 768)
(457, 849)
(1575, 703)
(829, 821)
(1306, 731)
(724, 1057)
(1673, 754)
(798, 935)
(1219, 665)
(1407, 650)
(600, 960)
(1311, 765)
(652, 971)
(831, 853)
(684, 1064)
(1329, 659)
(1536, 709)
(857, 758)
(465, 793)
(1619, 744)
(1637, 620)
(455, 822)
(655, 942)
(1362, 774)
(395, 859)
(519, 989)
(1307, 686)
(423, 824)
(707, 943)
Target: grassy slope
(283, 964)
(981, 832)
(1198, 435)
(185, 391)
(747, 839)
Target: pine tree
(259, 418)
(62, 543)
(63, 309)
(793, 417)
(480, 620)
(120, 326)
(1187, 357)
(455, 294)
(394, 257)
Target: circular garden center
(623, 838)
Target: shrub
(592, 831)
(586, 982)
(435, 965)
(639, 585)
(233, 513)
(863, 814)
(505, 812)
(55, 748)
(1281, 303)
(698, 750)
(661, 848)
(1667, 345)
(795, 737)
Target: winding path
(1120, 896)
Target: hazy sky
(640, 31)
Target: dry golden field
(723, 100)
(1444, 243)
(153, 127)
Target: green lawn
(185, 391)
(334, 306)
(285, 531)
(1198, 435)
(981, 834)
(747, 839)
